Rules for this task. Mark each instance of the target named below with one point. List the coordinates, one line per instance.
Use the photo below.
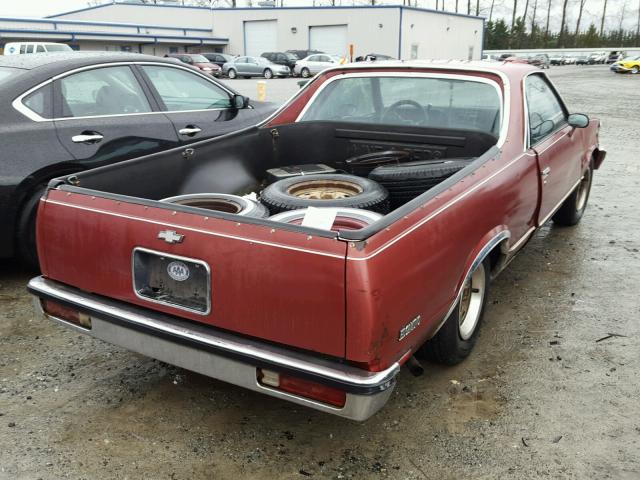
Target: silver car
(254, 67)
(315, 64)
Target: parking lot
(550, 391)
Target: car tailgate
(275, 284)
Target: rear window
(409, 101)
(6, 73)
(58, 48)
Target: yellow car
(631, 64)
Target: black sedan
(69, 112)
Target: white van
(16, 48)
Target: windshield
(411, 101)
(58, 48)
(199, 59)
(6, 73)
(291, 56)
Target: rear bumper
(217, 354)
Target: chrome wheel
(471, 300)
(231, 74)
(324, 190)
(583, 191)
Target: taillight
(301, 387)
(65, 313)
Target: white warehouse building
(397, 31)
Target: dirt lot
(543, 395)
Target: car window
(181, 90)
(30, 48)
(23, 49)
(313, 58)
(102, 91)
(325, 58)
(241, 60)
(410, 101)
(40, 101)
(546, 113)
(40, 49)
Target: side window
(313, 58)
(40, 101)
(102, 91)
(31, 48)
(546, 114)
(23, 49)
(40, 49)
(324, 58)
(181, 90)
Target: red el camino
(310, 257)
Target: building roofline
(75, 34)
(101, 24)
(262, 9)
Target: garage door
(330, 39)
(260, 36)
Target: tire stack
(407, 181)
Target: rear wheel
(456, 338)
(268, 73)
(305, 73)
(232, 73)
(574, 206)
(635, 69)
(26, 229)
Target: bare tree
(513, 15)
(456, 6)
(638, 25)
(533, 15)
(491, 9)
(580, 9)
(468, 7)
(604, 14)
(624, 7)
(477, 8)
(562, 24)
(546, 28)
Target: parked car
(20, 48)
(628, 65)
(315, 64)
(504, 56)
(439, 191)
(198, 61)
(582, 60)
(248, 67)
(303, 53)
(615, 56)
(64, 113)
(556, 59)
(596, 58)
(218, 58)
(540, 60)
(281, 58)
(569, 60)
(374, 57)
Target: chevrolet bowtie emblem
(170, 236)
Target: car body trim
(30, 114)
(204, 337)
(557, 207)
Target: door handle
(189, 130)
(545, 173)
(87, 138)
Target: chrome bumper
(219, 355)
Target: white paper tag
(321, 218)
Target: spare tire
(220, 202)
(410, 180)
(346, 218)
(325, 190)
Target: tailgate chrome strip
(202, 337)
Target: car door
(557, 147)
(103, 115)
(253, 68)
(198, 107)
(313, 64)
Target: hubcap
(583, 191)
(324, 190)
(471, 300)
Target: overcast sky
(593, 9)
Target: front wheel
(574, 206)
(305, 73)
(456, 338)
(268, 73)
(232, 74)
(635, 69)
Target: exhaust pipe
(414, 366)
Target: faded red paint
(320, 294)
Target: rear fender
(496, 240)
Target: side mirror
(240, 101)
(578, 120)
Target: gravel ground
(547, 393)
